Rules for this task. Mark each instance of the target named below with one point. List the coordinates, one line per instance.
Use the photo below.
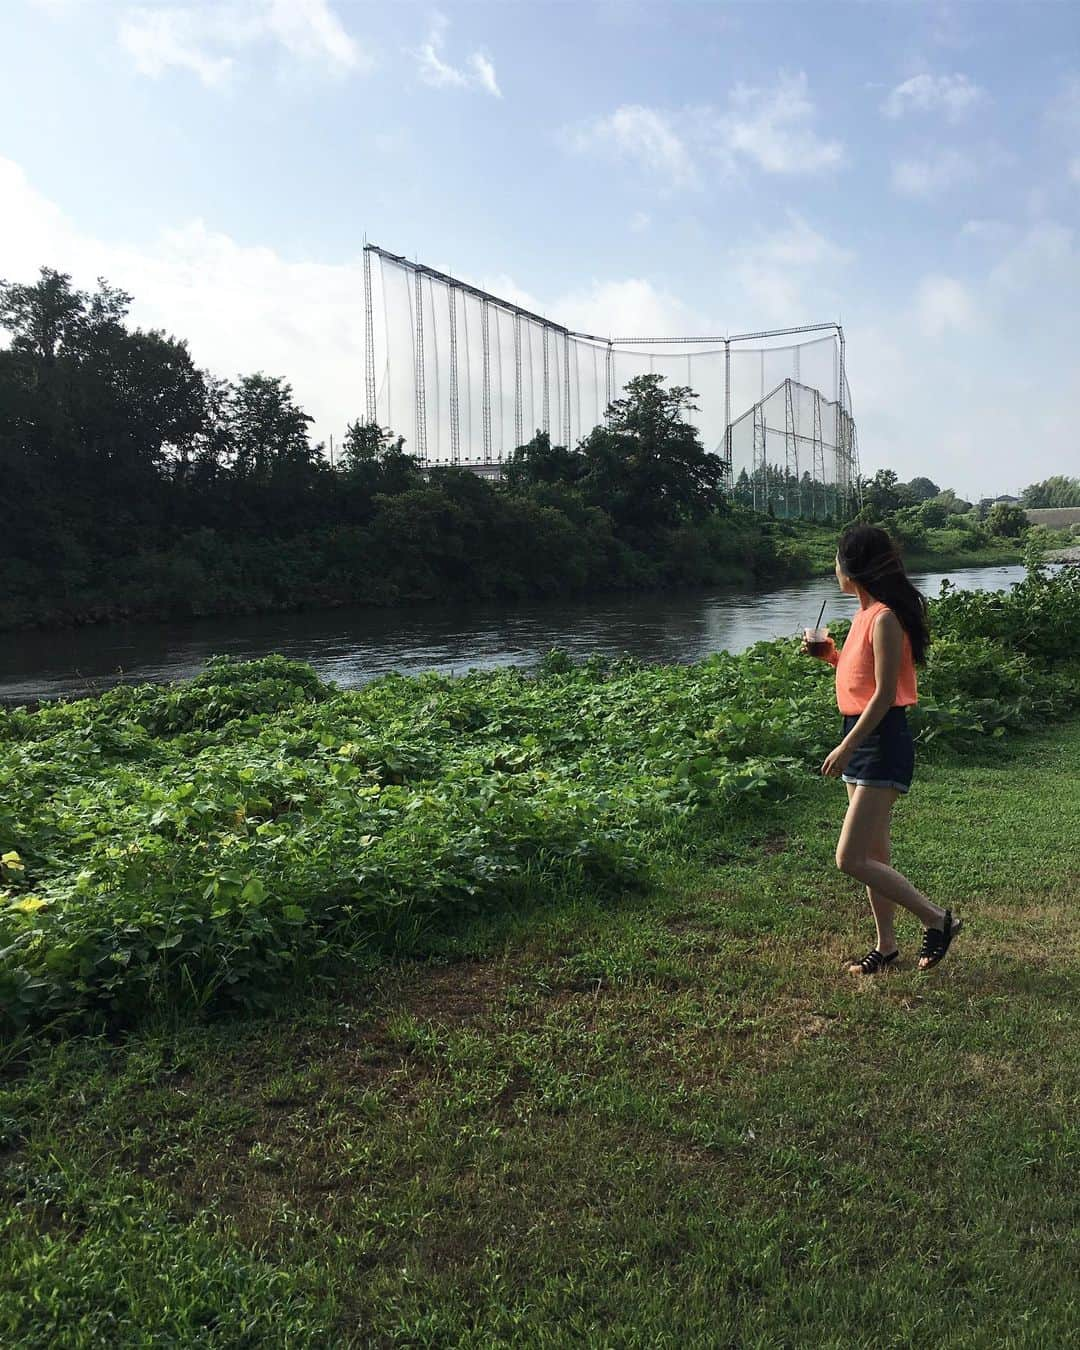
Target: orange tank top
(855, 680)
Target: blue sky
(913, 170)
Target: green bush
(199, 845)
(1007, 521)
(933, 514)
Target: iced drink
(817, 641)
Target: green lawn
(667, 1121)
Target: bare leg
(868, 812)
(881, 907)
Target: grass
(667, 1121)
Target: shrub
(199, 845)
(1006, 520)
(933, 514)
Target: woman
(875, 685)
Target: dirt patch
(684, 923)
(460, 992)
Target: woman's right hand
(826, 655)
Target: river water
(352, 646)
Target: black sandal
(874, 961)
(935, 941)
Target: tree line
(139, 485)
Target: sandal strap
(873, 959)
(932, 942)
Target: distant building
(492, 471)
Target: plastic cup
(817, 641)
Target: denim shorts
(887, 757)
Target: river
(352, 646)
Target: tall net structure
(466, 376)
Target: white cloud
(644, 136)
(773, 273)
(485, 73)
(932, 174)
(783, 277)
(241, 308)
(772, 128)
(768, 128)
(310, 30)
(943, 303)
(438, 73)
(952, 94)
(640, 221)
(626, 309)
(158, 39)
(202, 38)
(942, 386)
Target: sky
(911, 170)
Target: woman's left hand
(836, 762)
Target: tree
(92, 413)
(48, 319)
(1056, 491)
(373, 461)
(1008, 521)
(647, 467)
(97, 400)
(881, 495)
(267, 430)
(919, 489)
(538, 461)
(933, 513)
(954, 505)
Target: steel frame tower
(369, 342)
(568, 394)
(485, 341)
(455, 404)
(421, 402)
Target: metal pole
(369, 341)
(791, 453)
(485, 341)
(455, 406)
(518, 437)
(842, 437)
(547, 381)
(566, 389)
(727, 412)
(421, 404)
(610, 377)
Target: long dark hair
(868, 555)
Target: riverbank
(670, 1115)
(453, 543)
(942, 549)
(208, 843)
(214, 575)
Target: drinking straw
(817, 626)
